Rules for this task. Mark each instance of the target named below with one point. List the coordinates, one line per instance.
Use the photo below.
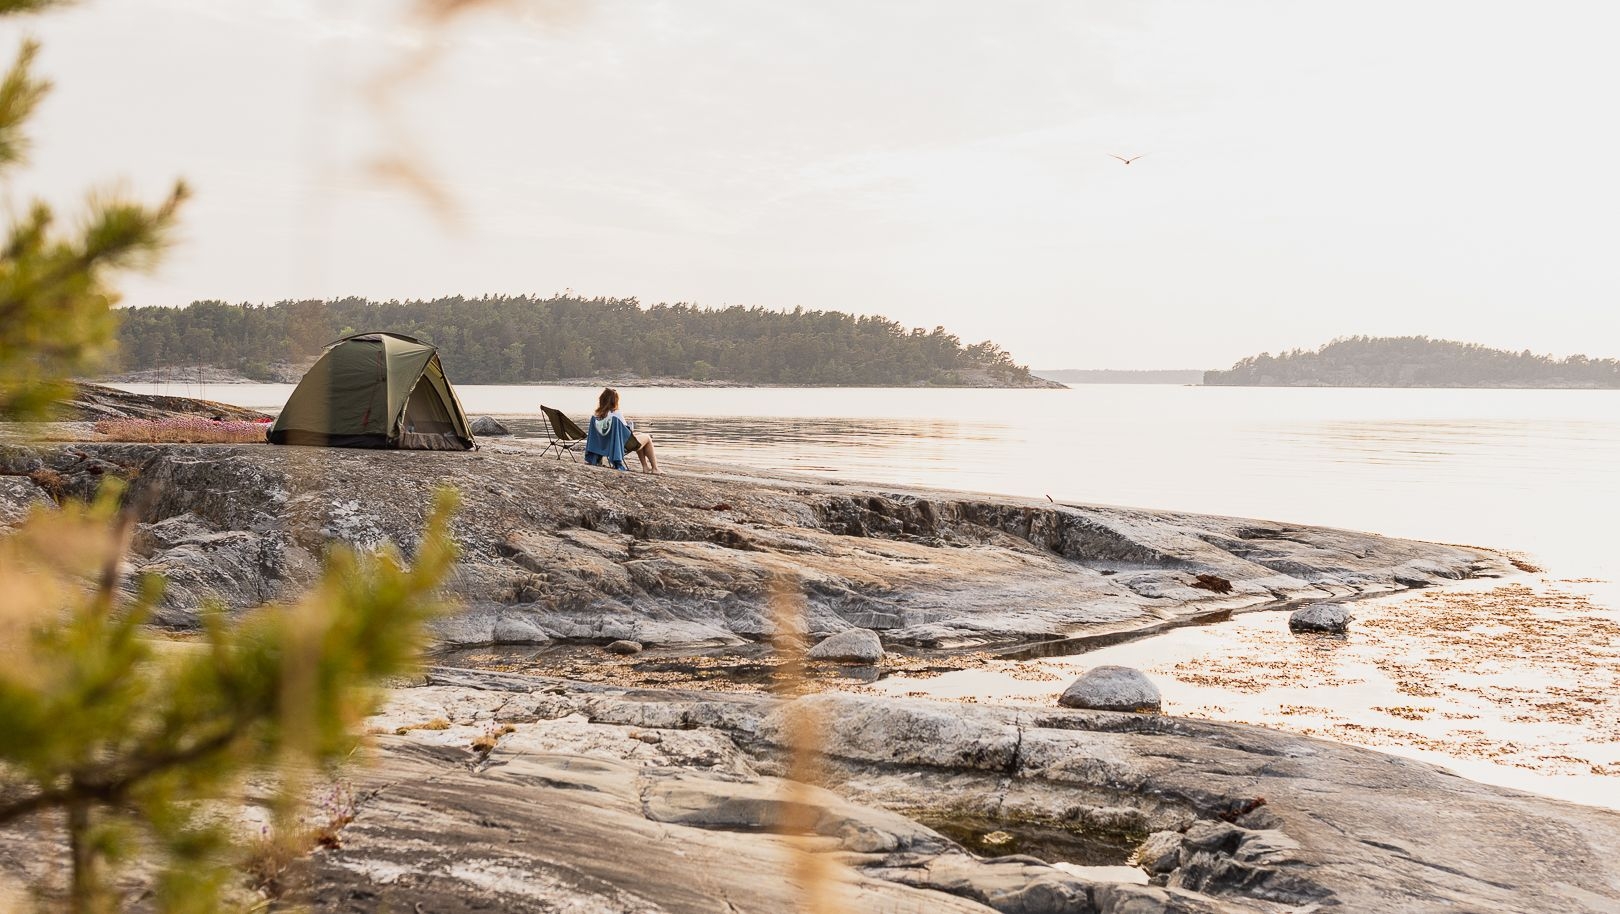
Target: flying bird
(1125, 160)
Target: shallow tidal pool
(1509, 682)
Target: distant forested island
(525, 339)
(1122, 376)
(1415, 361)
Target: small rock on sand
(857, 645)
(1112, 688)
(624, 647)
(1320, 617)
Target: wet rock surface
(1112, 688)
(558, 551)
(649, 800)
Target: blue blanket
(606, 442)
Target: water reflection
(860, 447)
(1496, 445)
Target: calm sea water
(1533, 471)
(1515, 683)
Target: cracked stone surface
(612, 799)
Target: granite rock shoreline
(484, 791)
(554, 551)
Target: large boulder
(1112, 688)
(1333, 618)
(856, 645)
(489, 427)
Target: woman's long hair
(607, 402)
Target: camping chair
(565, 437)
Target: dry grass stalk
(182, 430)
(812, 873)
(437, 723)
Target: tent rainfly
(377, 390)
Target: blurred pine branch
(138, 749)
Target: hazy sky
(1311, 169)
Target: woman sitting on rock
(605, 440)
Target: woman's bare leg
(649, 459)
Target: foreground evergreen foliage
(513, 340)
(139, 749)
(125, 736)
(1415, 361)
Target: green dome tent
(379, 390)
